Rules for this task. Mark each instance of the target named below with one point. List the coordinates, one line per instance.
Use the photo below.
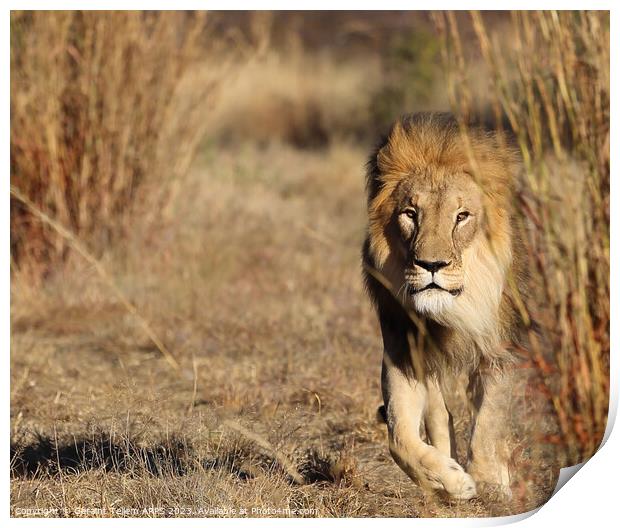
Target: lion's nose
(431, 266)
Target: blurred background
(188, 324)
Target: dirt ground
(255, 288)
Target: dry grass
(253, 284)
(99, 104)
(301, 98)
(557, 105)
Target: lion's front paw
(492, 475)
(441, 472)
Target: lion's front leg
(489, 451)
(405, 401)
(437, 418)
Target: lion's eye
(411, 213)
(462, 216)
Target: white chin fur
(432, 302)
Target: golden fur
(439, 252)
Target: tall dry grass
(549, 83)
(101, 102)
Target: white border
(589, 499)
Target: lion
(441, 264)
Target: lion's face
(438, 219)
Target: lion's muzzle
(436, 276)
